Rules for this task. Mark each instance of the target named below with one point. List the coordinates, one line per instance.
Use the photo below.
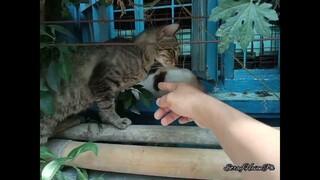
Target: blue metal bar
(156, 7)
(172, 11)
(138, 14)
(211, 48)
(95, 26)
(229, 62)
(84, 27)
(110, 16)
(279, 55)
(245, 58)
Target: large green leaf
(127, 103)
(82, 174)
(46, 103)
(51, 168)
(60, 29)
(242, 21)
(44, 33)
(146, 96)
(59, 176)
(45, 153)
(134, 109)
(88, 146)
(225, 9)
(65, 67)
(124, 95)
(53, 78)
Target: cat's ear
(170, 30)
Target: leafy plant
(128, 99)
(241, 20)
(55, 65)
(51, 165)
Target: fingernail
(163, 124)
(156, 117)
(160, 84)
(157, 101)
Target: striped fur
(100, 72)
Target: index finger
(167, 86)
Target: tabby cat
(100, 72)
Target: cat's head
(168, 48)
(165, 45)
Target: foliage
(241, 20)
(52, 165)
(55, 65)
(128, 99)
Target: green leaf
(82, 174)
(242, 20)
(45, 153)
(61, 30)
(51, 168)
(43, 87)
(44, 33)
(59, 176)
(43, 45)
(146, 96)
(88, 146)
(65, 67)
(134, 109)
(128, 102)
(46, 103)
(53, 78)
(124, 95)
(225, 9)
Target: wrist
(200, 106)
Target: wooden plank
(188, 135)
(141, 134)
(147, 160)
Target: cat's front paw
(122, 123)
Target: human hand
(182, 102)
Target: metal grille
(259, 54)
(165, 10)
(124, 29)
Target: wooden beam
(191, 135)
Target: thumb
(167, 86)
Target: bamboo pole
(147, 160)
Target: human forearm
(243, 138)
